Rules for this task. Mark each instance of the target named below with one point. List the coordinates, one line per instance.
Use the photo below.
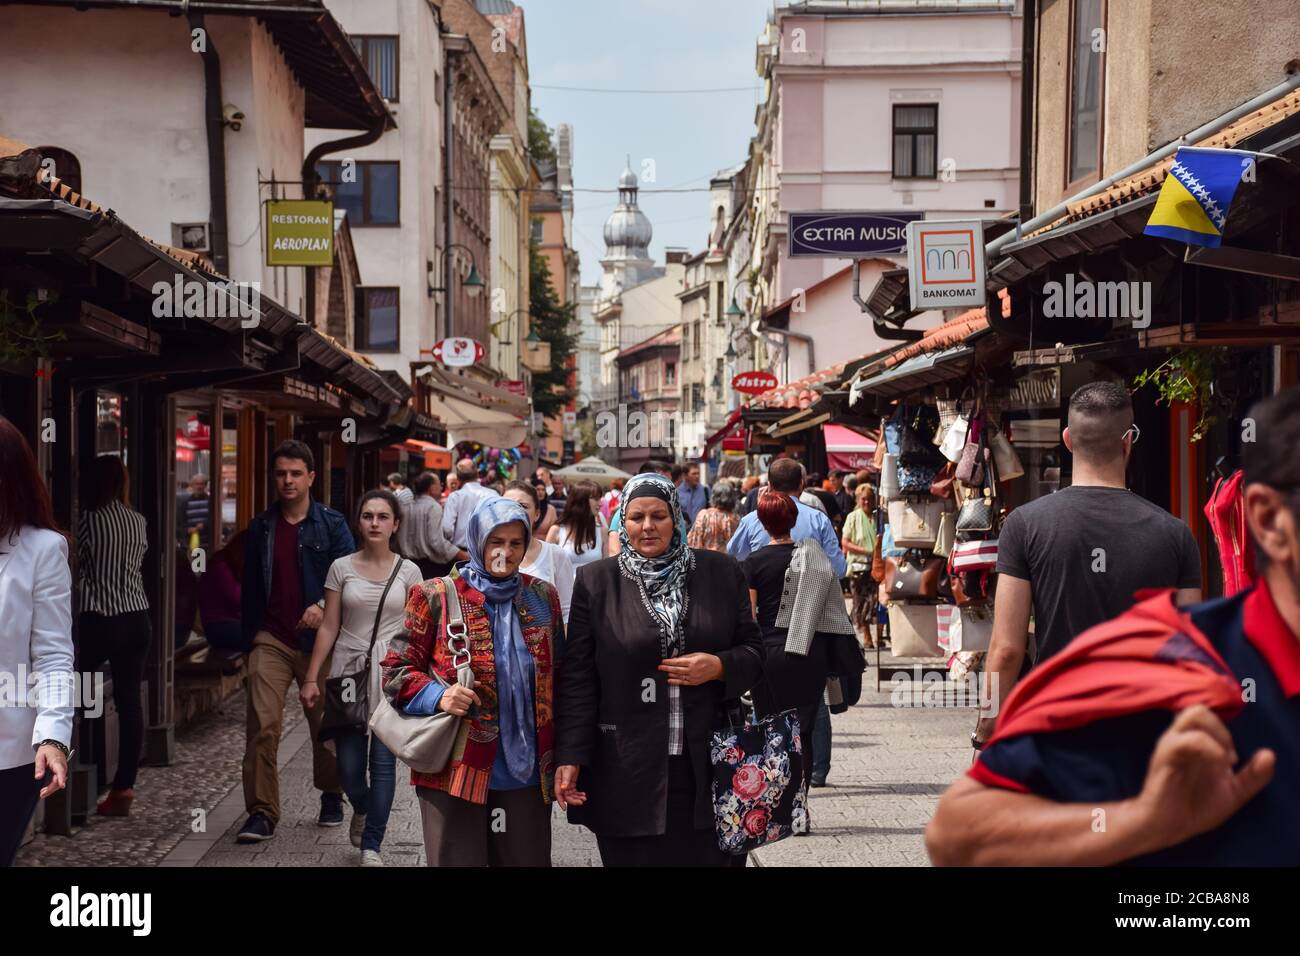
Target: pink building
(874, 105)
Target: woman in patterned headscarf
(502, 759)
(659, 637)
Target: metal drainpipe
(759, 327)
(1028, 64)
(446, 200)
(215, 122)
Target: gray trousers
(512, 829)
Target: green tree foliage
(541, 139)
(554, 323)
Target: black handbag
(347, 697)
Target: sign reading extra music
(849, 235)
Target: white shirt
(587, 555)
(554, 567)
(460, 505)
(35, 638)
(812, 501)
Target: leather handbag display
(975, 518)
(347, 697)
(974, 556)
(424, 742)
(915, 524)
(942, 485)
(1005, 459)
(912, 577)
(914, 630)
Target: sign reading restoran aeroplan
(945, 263)
(299, 232)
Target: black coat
(611, 700)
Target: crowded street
(649, 435)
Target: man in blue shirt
(786, 476)
(1186, 749)
(693, 495)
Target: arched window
(63, 164)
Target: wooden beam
(1248, 261)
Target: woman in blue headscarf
(658, 638)
(503, 758)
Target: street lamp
(734, 311)
(495, 325)
(473, 283)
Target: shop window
(377, 323)
(916, 141)
(370, 194)
(537, 227)
(1086, 94)
(379, 54)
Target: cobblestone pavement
(890, 765)
(208, 755)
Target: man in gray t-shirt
(1076, 557)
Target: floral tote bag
(758, 793)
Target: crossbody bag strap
(379, 612)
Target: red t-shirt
(285, 604)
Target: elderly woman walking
(502, 766)
(659, 637)
(715, 524)
(859, 542)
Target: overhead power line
(594, 89)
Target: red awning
(724, 431)
(846, 449)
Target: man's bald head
(466, 470)
(1101, 414)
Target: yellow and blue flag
(1197, 193)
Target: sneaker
(331, 810)
(116, 804)
(371, 858)
(258, 828)
(357, 828)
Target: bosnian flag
(1197, 194)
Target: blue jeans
(375, 800)
(822, 743)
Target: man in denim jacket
(288, 553)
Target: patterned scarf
(514, 683)
(662, 579)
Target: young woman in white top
(352, 593)
(35, 638)
(542, 560)
(581, 531)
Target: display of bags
(916, 477)
(974, 556)
(942, 485)
(975, 518)
(888, 548)
(971, 588)
(915, 524)
(914, 630)
(971, 629)
(912, 577)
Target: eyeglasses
(1137, 433)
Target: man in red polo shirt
(1167, 736)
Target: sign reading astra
(848, 235)
(754, 383)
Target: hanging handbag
(946, 536)
(970, 463)
(974, 556)
(915, 524)
(975, 518)
(916, 440)
(878, 456)
(1005, 459)
(347, 696)
(892, 429)
(973, 630)
(942, 485)
(916, 477)
(758, 794)
(914, 630)
(912, 577)
(877, 561)
(424, 742)
(889, 478)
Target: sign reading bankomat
(945, 263)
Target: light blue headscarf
(515, 714)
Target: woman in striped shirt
(114, 623)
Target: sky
(646, 45)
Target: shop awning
(466, 421)
(918, 371)
(847, 449)
(435, 456)
(725, 431)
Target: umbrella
(592, 469)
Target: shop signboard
(945, 263)
(458, 352)
(849, 234)
(754, 383)
(299, 232)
